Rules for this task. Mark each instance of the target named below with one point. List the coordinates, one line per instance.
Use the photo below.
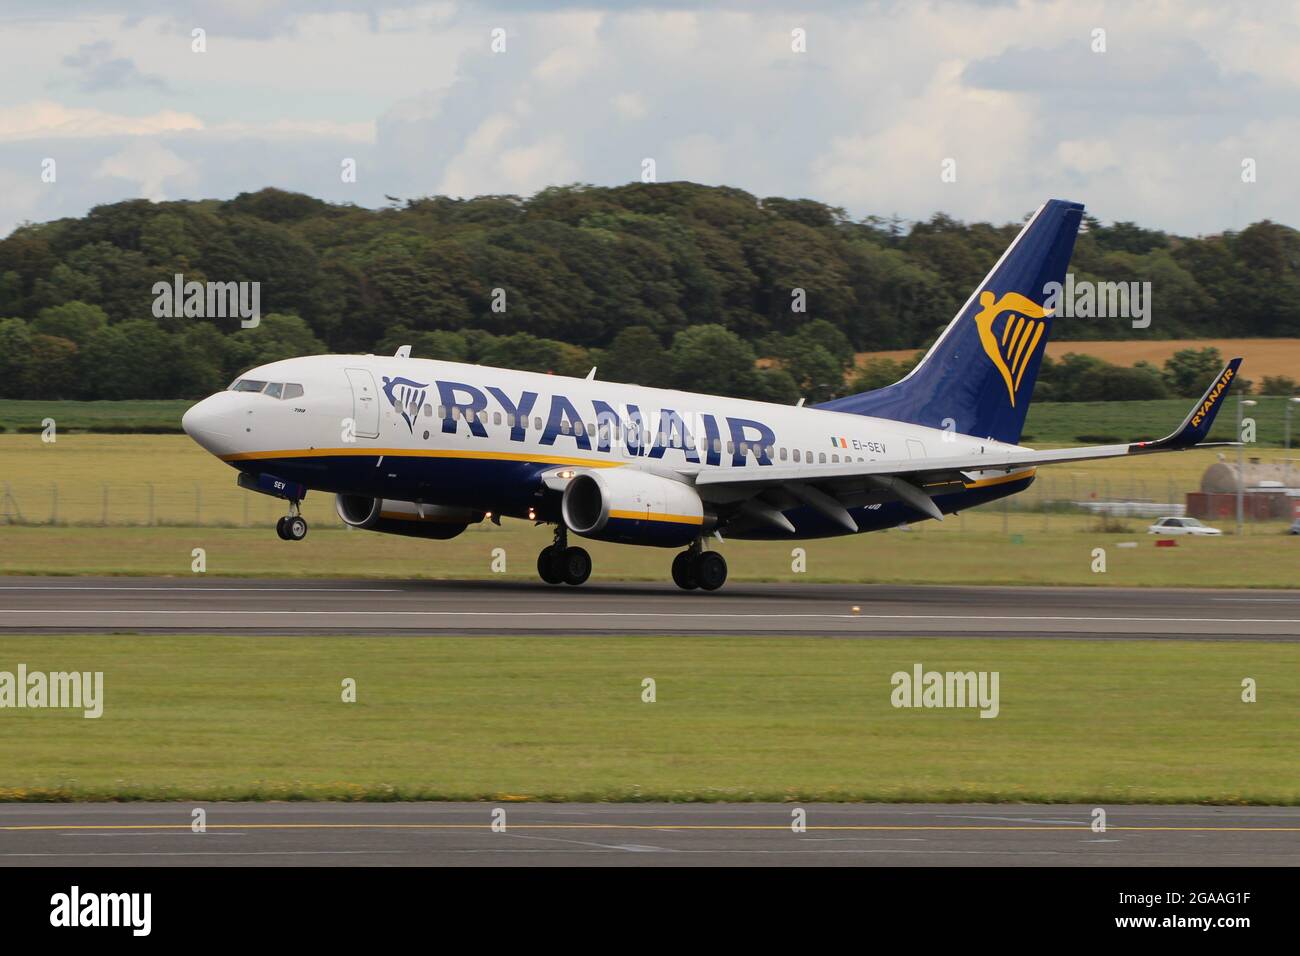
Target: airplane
(426, 448)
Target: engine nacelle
(404, 517)
(633, 507)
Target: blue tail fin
(978, 377)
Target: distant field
(495, 718)
(18, 415)
(1070, 423)
(1262, 356)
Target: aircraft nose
(208, 423)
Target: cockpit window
(280, 390)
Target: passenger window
(510, 419)
(537, 423)
(769, 451)
(292, 390)
(274, 389)
(796, 454)
(496, 418)
(731, 448)
(835, 459)
(442, 411)
(565, 427)
(744, 448)
(821, 458)
(717, 444)
(428, 411)
(783, 453)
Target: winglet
(1198, 421)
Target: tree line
(669, 284)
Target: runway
(746, 834)
(294, 606)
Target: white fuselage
(468, 435)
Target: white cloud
(1153, 130)
(148, 165)
(46, 119)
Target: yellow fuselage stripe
(419, 453)
(647, 516)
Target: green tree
(74, 321)
(15, 352)
(133, 359)
(51, 368)
(1277, 385)
(636, 355)
(1189, 371)
(876, 373)
(709, 358)
(277, 336)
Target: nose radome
(207, 425)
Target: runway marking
(72, 587)
(1260, 600)
(626, 826)
(680, 614)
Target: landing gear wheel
(576, 564)
(295, 528)
(550, 565)
(710, 570)
(684, 571)
(279, 528)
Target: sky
(979, 109)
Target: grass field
(1262, 356)
(929, 554)
(735, 719)
(192, 501)
(16, 414)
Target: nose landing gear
(697, 568)
(293, 526)
(560, 564)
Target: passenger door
(365, 402)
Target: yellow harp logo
(1022, 327)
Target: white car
(1181, 526)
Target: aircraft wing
(830, 488)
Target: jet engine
(404, 517)
(634, 507)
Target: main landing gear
(293, 526)
(697, 568)
(560, 564)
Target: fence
(136, 504)
(222, 504)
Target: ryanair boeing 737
(425, 448)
